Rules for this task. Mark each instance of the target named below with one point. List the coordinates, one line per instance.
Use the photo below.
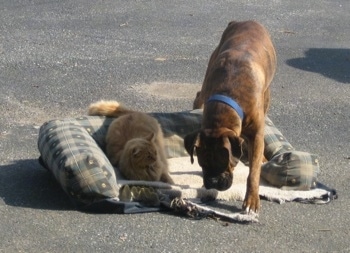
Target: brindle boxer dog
(235, 95)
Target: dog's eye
(213, 159)
(221, 159)
(203, 158)
(200, 151)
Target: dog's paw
(251, 204)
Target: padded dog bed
(73, 151)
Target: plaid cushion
(286, 167)
(79, 165)
(175, 126)
(275, 142)
(72, 149)
(294, 170)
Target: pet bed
(73, 151)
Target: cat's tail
(108, 108)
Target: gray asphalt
(56, 57)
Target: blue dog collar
(229, 101)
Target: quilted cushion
(73, 150)
(70, 152)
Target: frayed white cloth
(189, 185)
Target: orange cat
(134, 143)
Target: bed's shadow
(24, 183)
(332, 63)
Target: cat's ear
(150, 137)
(118, 133)
(191, 141)
(135, 151)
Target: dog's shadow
(24, 183)
(332, 63)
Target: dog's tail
(108, 108)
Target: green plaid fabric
(73, 150)
(79, 165)
(293, 170)
(275, 142)
(175, 126)
(287, 168)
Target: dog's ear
(236, 146)
(191, 141)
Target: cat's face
(142, 157)
(142, 152)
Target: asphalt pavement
(56, 57)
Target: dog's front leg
(255, 153)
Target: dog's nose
(214, 181)
(220, 183)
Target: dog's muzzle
(220, 183)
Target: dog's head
(218, 152)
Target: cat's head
(142, 151)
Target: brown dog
(236, 96)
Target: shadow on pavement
(25, 183)
(333, 63)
